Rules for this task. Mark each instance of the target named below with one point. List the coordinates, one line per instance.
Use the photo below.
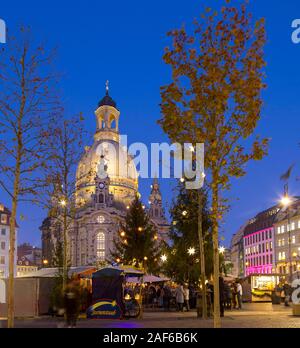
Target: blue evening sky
(123, 41)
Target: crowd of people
(183, 297)
(165, 296)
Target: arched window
(101, 198)
(101, 246)
(113, 124)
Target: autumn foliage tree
(27, 98)
(215, 98)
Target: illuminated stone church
(106, 184)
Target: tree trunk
(215, 227)
(12, 232)
(65, 256)
(12, 248)
(12, 243)
(202, 255)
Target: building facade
(5, 215)
(237, 253)
(258, 242)
(287, 240)
(25, 266)
(106, 184)
(32, 254)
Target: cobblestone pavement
(256, 315)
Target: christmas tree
(137, 242)
(182, 256)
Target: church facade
(106, 184)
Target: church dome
(107, 101)
(119, 166)
(108, 156)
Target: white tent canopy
(53, 272)
(148, 279)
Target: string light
(191, 251)
(163, 258)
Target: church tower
(156, 211)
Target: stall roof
(52, 272)
(149, 279)
(127, 270)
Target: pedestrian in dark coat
(72, 304)
(222, 295)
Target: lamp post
(286, 201)
(63, 204)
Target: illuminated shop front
(259, 243)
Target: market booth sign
(104, 309)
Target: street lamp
(286, 202)
(184, 213)
(221, 250)
(163, 258)
(63, 202)
(45, 262)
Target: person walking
(228, 296)
(180, 297)
(222, 295)
(166, 297)
(234, 295)
(186, 298)
(72, 304)
(239, 293)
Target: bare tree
(26, 101)
(64, 147)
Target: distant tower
(156, 211)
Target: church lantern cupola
(107, 116)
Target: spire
(107, 87)
(107, 99)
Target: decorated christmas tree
(137, 242)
